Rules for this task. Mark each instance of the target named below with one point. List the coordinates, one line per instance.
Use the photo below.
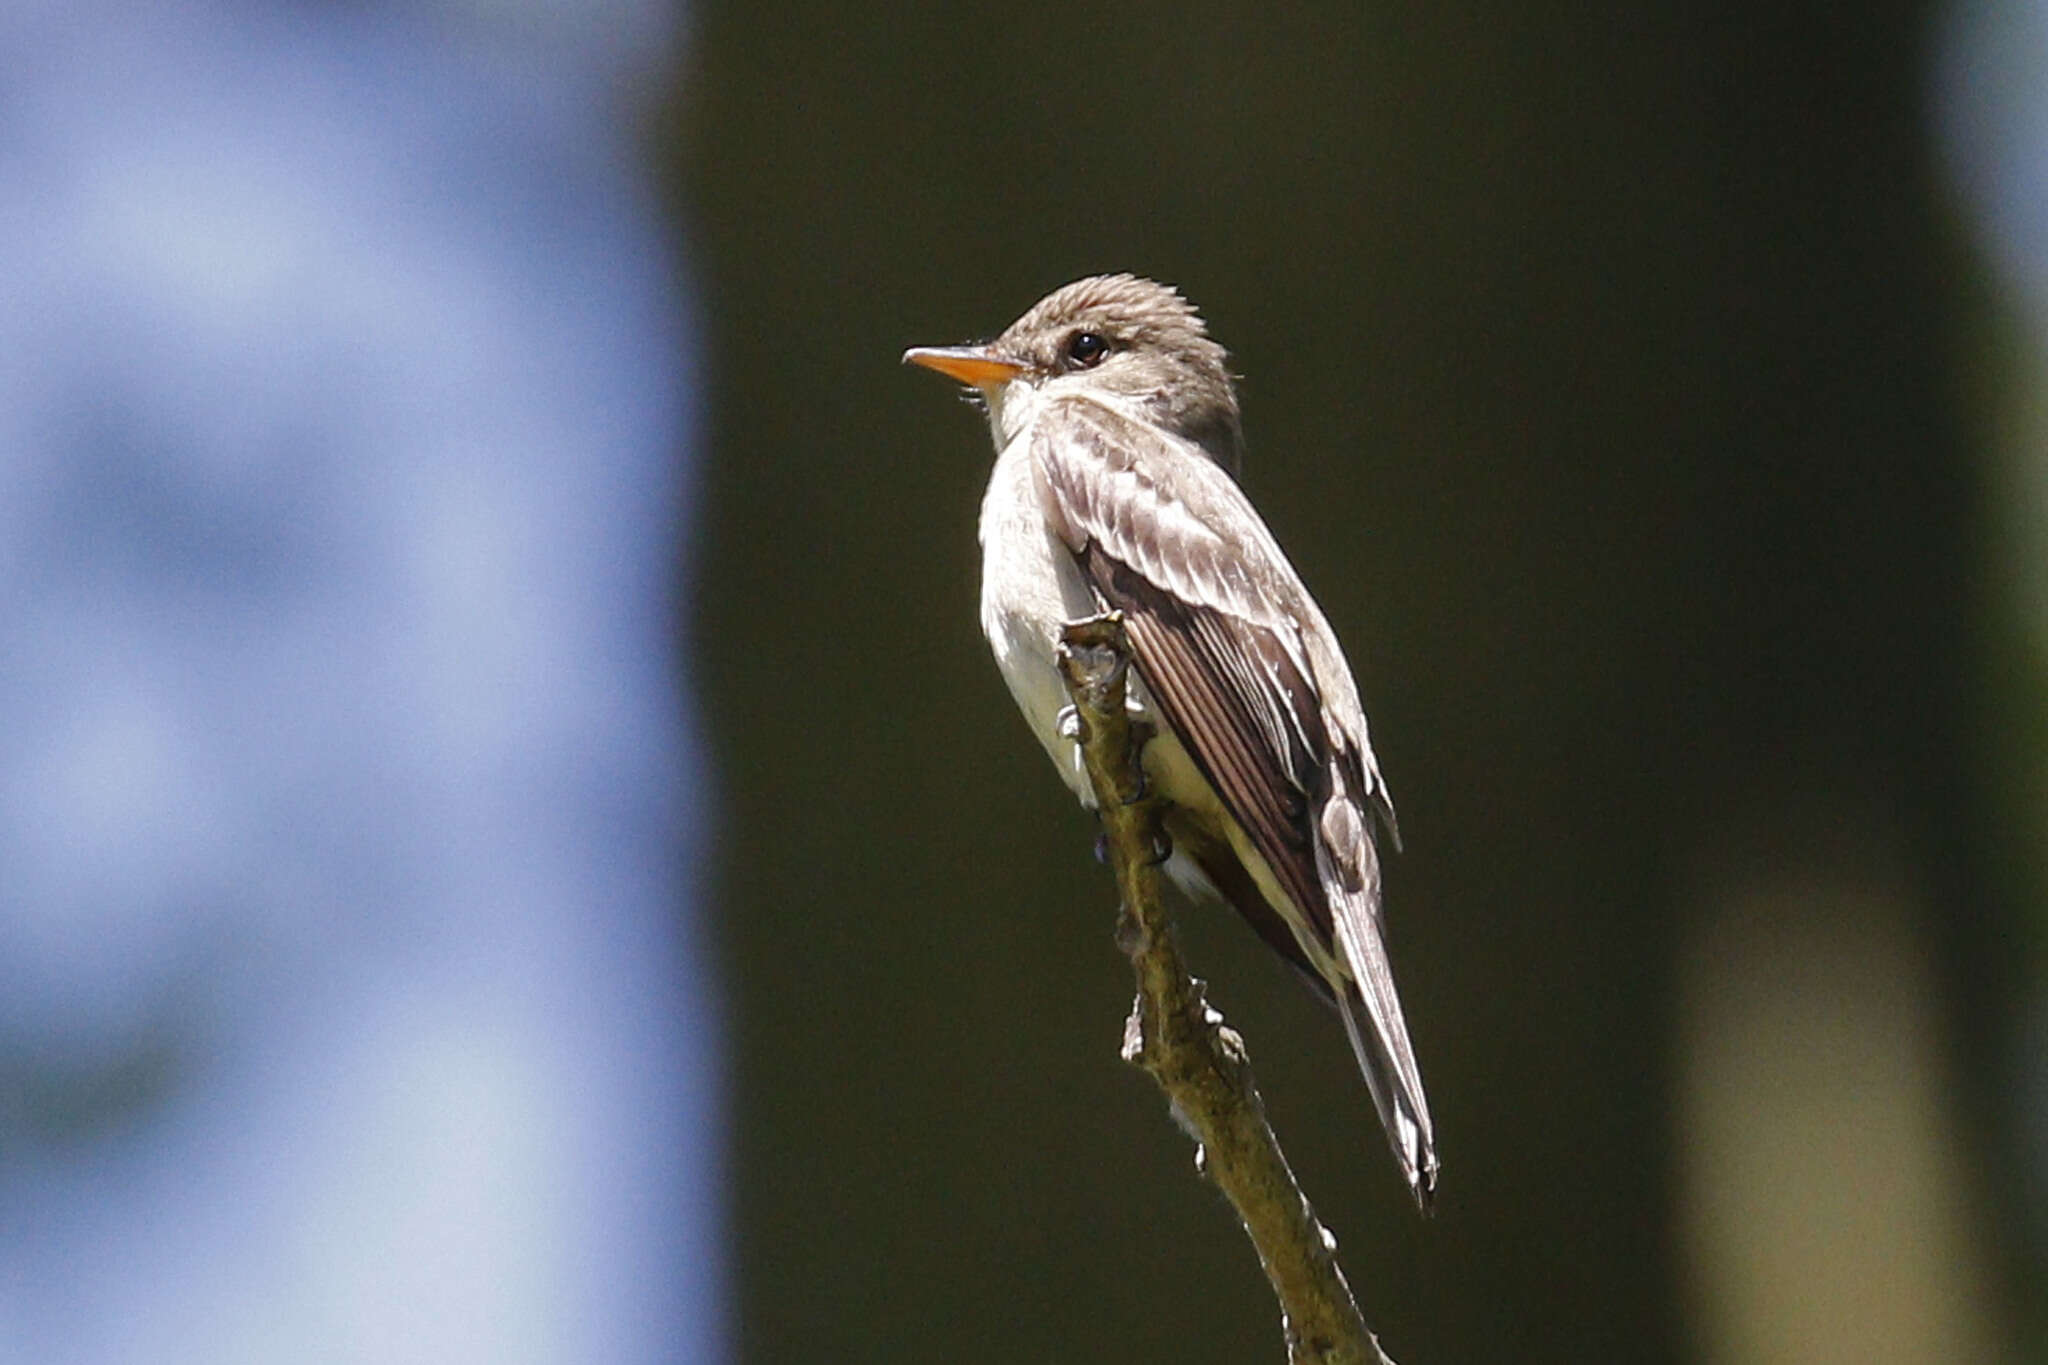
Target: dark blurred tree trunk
(1594, 378)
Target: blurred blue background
(353, 1001)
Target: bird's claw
(1142, 732)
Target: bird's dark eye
(1086, 349)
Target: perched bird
(1117, 437)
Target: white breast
(1030, 587)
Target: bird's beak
(971, 365)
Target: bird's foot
(1142, 733)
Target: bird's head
(1113, 336)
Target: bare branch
(1175, 1036)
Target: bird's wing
(1215, 615)
(1246, 671)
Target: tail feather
(1396, 1092)
(1373, 1020)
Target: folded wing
(1243, 667)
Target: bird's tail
(1379, 1040)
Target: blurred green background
(1621, 382)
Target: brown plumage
(1117, 431)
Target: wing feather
(1217, 627)
(1205, 673)
(1246, 671)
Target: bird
(1115, 488)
